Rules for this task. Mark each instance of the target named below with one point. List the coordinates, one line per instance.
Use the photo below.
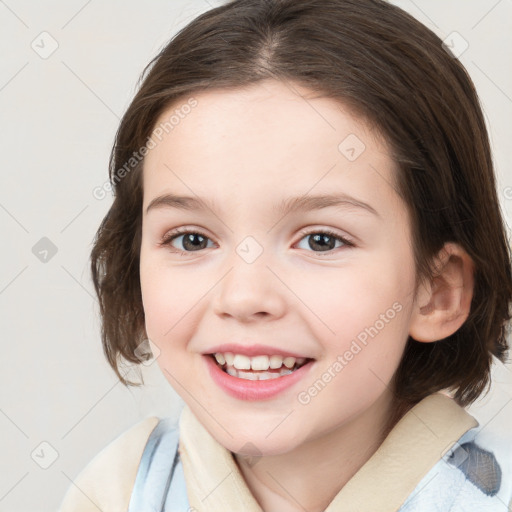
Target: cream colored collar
(412, 448)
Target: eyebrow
(291, 204)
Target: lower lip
(244, 389)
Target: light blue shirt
(468, 478)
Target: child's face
(256, 278)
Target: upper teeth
(241, 362)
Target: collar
(415, 444)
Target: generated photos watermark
(165, 127)
(342, 360)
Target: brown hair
(395, 73)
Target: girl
(306, 232)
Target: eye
(192, 240)
(324, 240)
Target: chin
(257, 442)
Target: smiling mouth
(239, 368)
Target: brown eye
(191, 241)
(324, 240)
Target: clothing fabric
(434, 460)
(106, 483)
(160, 483)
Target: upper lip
(253, 350)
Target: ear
(443, 305)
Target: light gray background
(58, 116)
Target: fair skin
(246, 150)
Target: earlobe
(443, 305)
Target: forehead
(269, 139)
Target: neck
(310, 476)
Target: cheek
(377, 325)
(164, 298)
(348, 300)
(172, 299)
(362, 314)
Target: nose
(250, 291)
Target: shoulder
(106, 482)
(474, 474)
(488, 447)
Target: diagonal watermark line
(424, 14)
(73, 483)
(492, 419)
(14, 486)
(312, 187)
(210, 4)
(486, 14)
(290, 86)
(392, 185)
(13, 279)
(8, 417)
(413, 413)
(216, 487)
(90, 409)
(13, 13)
(14, 76)
(492, 81)
(286, 491)
(301, 300)
(74, 218)
(71, 71)
(213, 213)
(14, 218)
(280, 423)
(77, 281)
(76, 14)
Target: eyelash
(167, 239)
